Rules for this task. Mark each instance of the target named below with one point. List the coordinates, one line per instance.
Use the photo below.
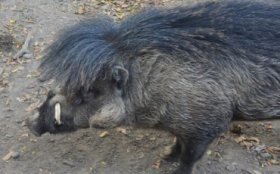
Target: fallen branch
(24, 51)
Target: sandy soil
(252, 151)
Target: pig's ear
(119, 75)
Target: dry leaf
(104, 134)
(274, 162)
(33, 106)
(139, 137)
(156, 164)
(12, 21)
(256, 172)
(81, 10)
(121, 130)
(19, 68)
(153, 138)
(253, 139)
(268, 126)
(8, 156)
(274, 150)
(239, 139)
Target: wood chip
(33, 106)
(68, 163)
(8, 156)
(11, 154)
(156, 164)
(104, 134)
(121, 130)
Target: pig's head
(100, 106)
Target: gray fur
(187, 70)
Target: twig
(24, 51)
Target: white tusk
(57, 114)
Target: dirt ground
(254, 148)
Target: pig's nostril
(34, 125)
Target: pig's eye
(94, 92)
(75, 98)
(90, 94)
(83, 96)
(78, 101)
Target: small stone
(8, 136)
(141, 155)
(23, 124)
(68, 163)
(104, 163)
(1, 70)
(209, 152)
(81, 147)
(266, 155)
(256, 172)
(36, 43)
(15, 155)
(33, 140)
(81, 10)
(28, 56)
(18, 121)
(7, 116)
(231, 167)
(152, 138)
(166, 151)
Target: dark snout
(56, 116)
(33, 123)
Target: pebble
(28, 56)
(266, 155)
(68, 163)
(257, 172)
(231, 167)
(18, 121)
(15, 155)
(23, 123)
(1, 70)
(8, 136)
(209, 152)
(141, 155)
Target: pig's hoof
(172, 153)
(171, 157)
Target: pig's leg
(175, 151)
(192, 150)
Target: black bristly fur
(191, 70)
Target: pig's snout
(34, 125)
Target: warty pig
(187, 70)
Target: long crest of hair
(81, 53)
(87, 50)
